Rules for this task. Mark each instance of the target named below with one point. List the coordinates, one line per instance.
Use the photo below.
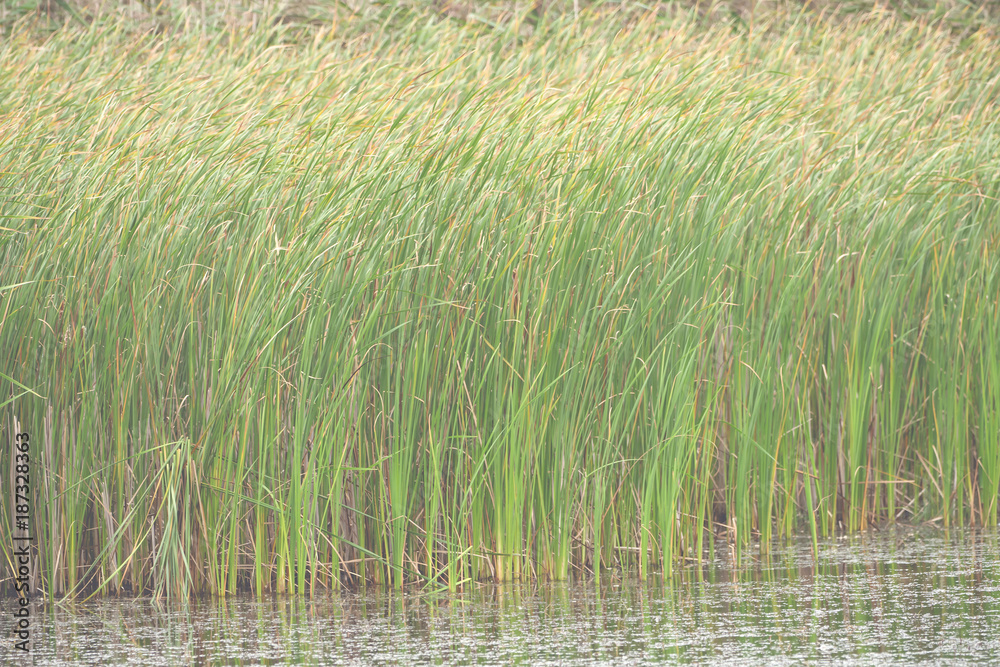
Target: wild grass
(444, 303)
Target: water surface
(906, 596)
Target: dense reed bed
(442, 303)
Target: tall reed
(444, 303)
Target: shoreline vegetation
(435, 301)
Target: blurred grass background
(959, 15)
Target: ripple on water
(905, 596)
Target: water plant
(444, 302)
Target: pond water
(905, 596)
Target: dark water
(907, 596)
